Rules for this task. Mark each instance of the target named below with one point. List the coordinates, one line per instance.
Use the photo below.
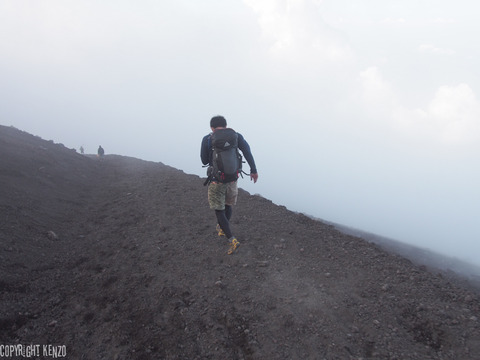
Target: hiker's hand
(254, 177)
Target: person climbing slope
(220, 151)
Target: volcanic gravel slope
(118, 259)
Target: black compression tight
(228, 212)
(223, 217)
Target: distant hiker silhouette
(82, 150)
(100, 151)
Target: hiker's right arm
(205, 151)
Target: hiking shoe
(234, 244)
(220, 231)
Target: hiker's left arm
(247, 153)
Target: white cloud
(452, 116)
(377, 94)
(390, 20)
(64, 32)
(297, 31)
(431, 49)
(441, 20)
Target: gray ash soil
(118, 259)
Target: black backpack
(226, 159)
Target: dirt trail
(138, 272)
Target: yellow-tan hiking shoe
(220, 231)
(234, 244)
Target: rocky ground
(117, 258)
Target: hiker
(219, 151)
(100, 151)
(82, 150)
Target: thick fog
(361, 113)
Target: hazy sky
(362, 113)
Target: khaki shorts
(220, 194)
